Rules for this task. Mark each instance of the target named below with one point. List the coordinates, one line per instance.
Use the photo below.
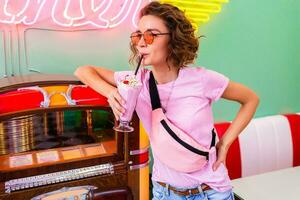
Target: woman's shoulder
(196, 71)
(192, 71)
(200, 75)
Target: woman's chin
(146, 63)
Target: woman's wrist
(110, 91)
(224, 143)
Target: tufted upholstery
(266, 144)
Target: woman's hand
(222, 150)
(116, 101)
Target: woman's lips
(143, 54)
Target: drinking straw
(138, 66)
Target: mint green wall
(252, 42)
(256, 43)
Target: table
(280, 184)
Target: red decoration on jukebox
(10, 101)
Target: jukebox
(56, 138)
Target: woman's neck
(164, 74)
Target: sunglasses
(147, 35)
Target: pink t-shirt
(190, 109)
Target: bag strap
(155, 100)
(213, 139)
(183, 143)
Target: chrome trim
(68, 94)
(139, 151)
(134, 167)
(57, 177)
(46, 102)
(69, 100)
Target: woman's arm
(102, 81)
(98, 78)
(249, 102)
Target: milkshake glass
(129, 88)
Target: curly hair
(183, 45)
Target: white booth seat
(266, 144)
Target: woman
(166, 40)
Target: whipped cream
(130, 81)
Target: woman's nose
(141, 42)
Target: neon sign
(68, 13)
(198, 11)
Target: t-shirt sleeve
(214, 84)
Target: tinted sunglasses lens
(148, 37)
(135, 38)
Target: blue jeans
(162, 193)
